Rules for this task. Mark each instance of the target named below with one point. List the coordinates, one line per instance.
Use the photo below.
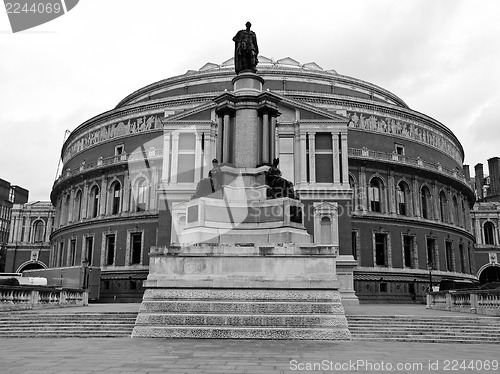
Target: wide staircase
(426, 329)
(452, 328)
(242, 314)
(65, 325)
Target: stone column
(48, 230)
(246, 139)
(303, 158)
(85, 199)
(166, 157)
(71, 207)
(435, 201)
(220, 131)
(416, 198)
(266, 138)
(392, 193)
(152, 188)
(362, 188)
(226, 139)
(479, 232)
(296, 156)
(312, 158)
(345, 161)
(126, 191)
(336, 161)
(104, 195)
(198, 158)
(175, 153)
(27, 226)
(274, 141)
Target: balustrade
(485, 302)
(20, 297)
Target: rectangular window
(119, 149)
(383, 287)
(431, 250)
(399, 149)
(374, 196)
(136, 247)
(286, 158)
(401, 197)
(324, 157)
(462, 257)
(354, 243)
(408, 250)
(110, 249)
(72, 253)
(381, 249)
(449, 256)
(89, 248)
(60, 254)
(186, 158)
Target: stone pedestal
(246, 266)
(242, 292)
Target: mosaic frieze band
(113, 130)
(404, 129)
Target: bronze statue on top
(246, 50)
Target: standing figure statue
(246, 50)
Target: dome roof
(302, 77)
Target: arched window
(443, 207)
(326, 230)
(402, 192)
(489, 230)
(94, 201)
(374, 195)
(38, 231)
(77, 207)
(116, 197)
(425, 196)
(141, 194)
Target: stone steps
(65, 325)
(439, 329)
(237, 332)
(242, 314)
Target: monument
(246, 266)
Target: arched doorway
(31, 265)
(490, 273)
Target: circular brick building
(381, 181)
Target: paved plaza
(134, 356)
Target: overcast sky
(442, 57)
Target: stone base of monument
(247, 291)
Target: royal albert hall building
(383, 182)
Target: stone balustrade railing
(485, 302)
(402, 159)
(113, 160)
(23, 297)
